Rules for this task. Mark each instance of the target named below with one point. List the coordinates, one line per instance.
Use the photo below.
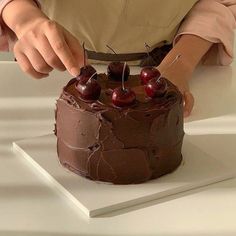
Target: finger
(37, 61)
(26, 66)
(48, 54)
(75, 48)
(60, 47)
(188, 103)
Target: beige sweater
(125, 25)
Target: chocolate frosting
(120, 145)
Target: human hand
(44, 45)
(179, 74)
(191, 48)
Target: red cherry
(89, 90)
(123, 97)
(156, 87)
(86, 72)
(115, 70)
(147, 73)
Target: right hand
(45, 45)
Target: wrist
(21, 15)
(182, 65)
(28, 24)
(191, 48)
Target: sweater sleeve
(7, 37)
(215, 21)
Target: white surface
(29, 206)
(94, 198)
(214, 89)
(6, 56)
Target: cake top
(142, 101)
(118, 90)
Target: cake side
(122, 146)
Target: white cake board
(95, 198)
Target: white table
(30, 207)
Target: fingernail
(74, 71)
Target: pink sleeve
(4, 39)
(7, 37)
(215, 21)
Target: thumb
(188, 103)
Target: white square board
(95, 198)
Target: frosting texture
(119, 145)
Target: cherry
(156, 87)
(87, 70)
(148, 73)
(123, 97)
(115, 70)
(90, 89)
(85, 73)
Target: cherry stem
(123, 77)
(84, 50)
(111, 49)
(147, 48)
(91, 77)
(175, 60)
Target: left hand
(191, 48)
(179, 74)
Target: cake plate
(96, 198)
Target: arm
(19, 20)
(42, 44)
(191, 48)
(206, 34)
(214, 21)
(7, 36)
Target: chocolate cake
(121, 145)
